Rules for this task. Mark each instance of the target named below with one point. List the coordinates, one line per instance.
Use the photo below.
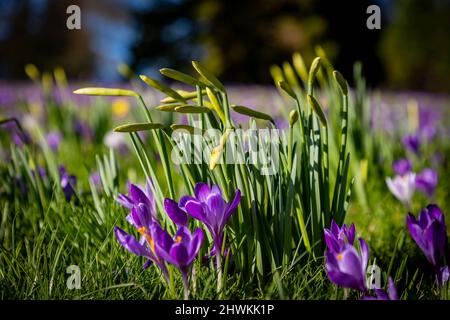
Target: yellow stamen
(151, 242)
(178, 239)
(340, 256)
(142, 230)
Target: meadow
(190, 189)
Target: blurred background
(238, 40)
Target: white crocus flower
(403, 187)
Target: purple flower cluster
(429, 233)
(346, 266)
(156, 244)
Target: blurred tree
(415, 47)
(239, 40)
(37, 33)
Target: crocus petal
(179, 255)
(125, 201)
(350, 262)
(392, 290)
(345, 269)
(351, 234)
(161, 237)
(174, 212)
(415, 230)
(216, 190)
(184, 200)
(129, 242)
(215, 211)
(195, 245)
(202, 191)
(195, 210)
(427, 181)
(138, 195)
(436, 213)
(331, 241)
(364, 254)
(335, 230)
(233, 205)
(435, 236)
(183, 236)
(147, 264)
(402, 166)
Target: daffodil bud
(342, 83)
(106, 92)
(293, 117)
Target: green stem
(159, 138)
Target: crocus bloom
(402, 167)
(428, 118)
(95, 178)
(336, 238)
(443, 275)
(347, 268)
(54, 139)
(382, 295)
(403, 187)
(82, 130)
(182, 249)
(429, 232)
(68, 183)
(412, 143)
(209, 207)
(139, 199)
(426, 181)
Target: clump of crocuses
(156, 244)
(429, 232)
(346, 265)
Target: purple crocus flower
(412, 142)
(402, 166)
(83, 130)
(54, 139)
(139, 199)
(68, 183)
(382, 295)
(426, 181)
(443, 275)
(209, 207)
(180, 251)
(428, 122)
(347, 268)
(336, 238)
(429, 233)
(403, 187)
(96, 179)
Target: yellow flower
(120, 107)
